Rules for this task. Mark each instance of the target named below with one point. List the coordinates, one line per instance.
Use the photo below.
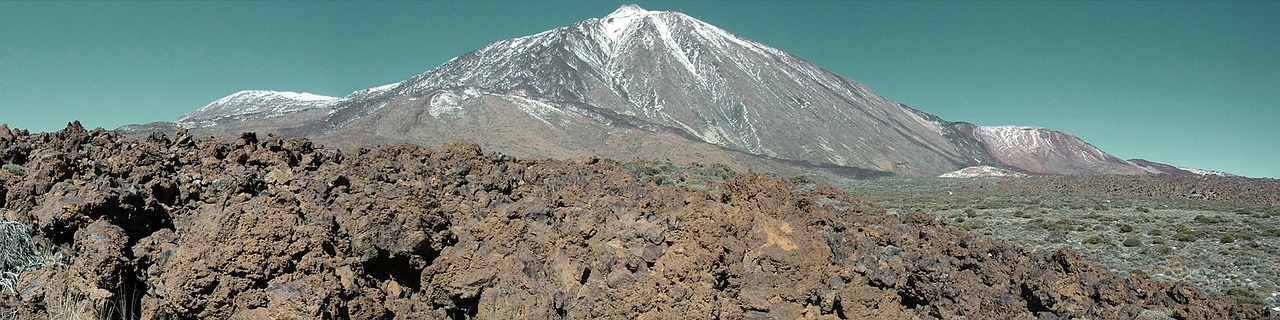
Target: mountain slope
(645, 83)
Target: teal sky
(1192, 84)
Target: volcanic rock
(260, 226)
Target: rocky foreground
(261, 227)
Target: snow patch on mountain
(445, 102)
(538, 110)
(981, 171)
(1203, 172)
(374, 90)
(1015, 137)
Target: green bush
(1185, 234)
(1143, 210)
(1132, 242)
(970, 212)
(1227, 238)
(1209, 220)
(1126, 228)
(1155, 232)
(720, 170)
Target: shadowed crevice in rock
(398, 268)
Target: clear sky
(1186, 83)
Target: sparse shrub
(1164, 249)
(1185, 234)
(1100, 207)
(1243, 295)
(18, 254)
(73, 305)
(1057, 236)
(970, 212)
(1209, 220)
(1132, 242)
(1094, 239)
(1038, 222)
(664, 180)
(971, 225)
(1126, 228)
(1155, 232)
(1272, 232)
(1227, 238)
(1143, 210)
(13, 168)
(1139, 273)
(721, 171)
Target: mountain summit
(654, 84)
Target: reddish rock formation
(261, 227)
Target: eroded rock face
(262, 227)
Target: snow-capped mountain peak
(616, 23)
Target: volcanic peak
(617, 22)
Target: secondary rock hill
(657, 84)
(262, 227)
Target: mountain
(250, 104)
(1044, 151)
(1178, 171)
(654, 84)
